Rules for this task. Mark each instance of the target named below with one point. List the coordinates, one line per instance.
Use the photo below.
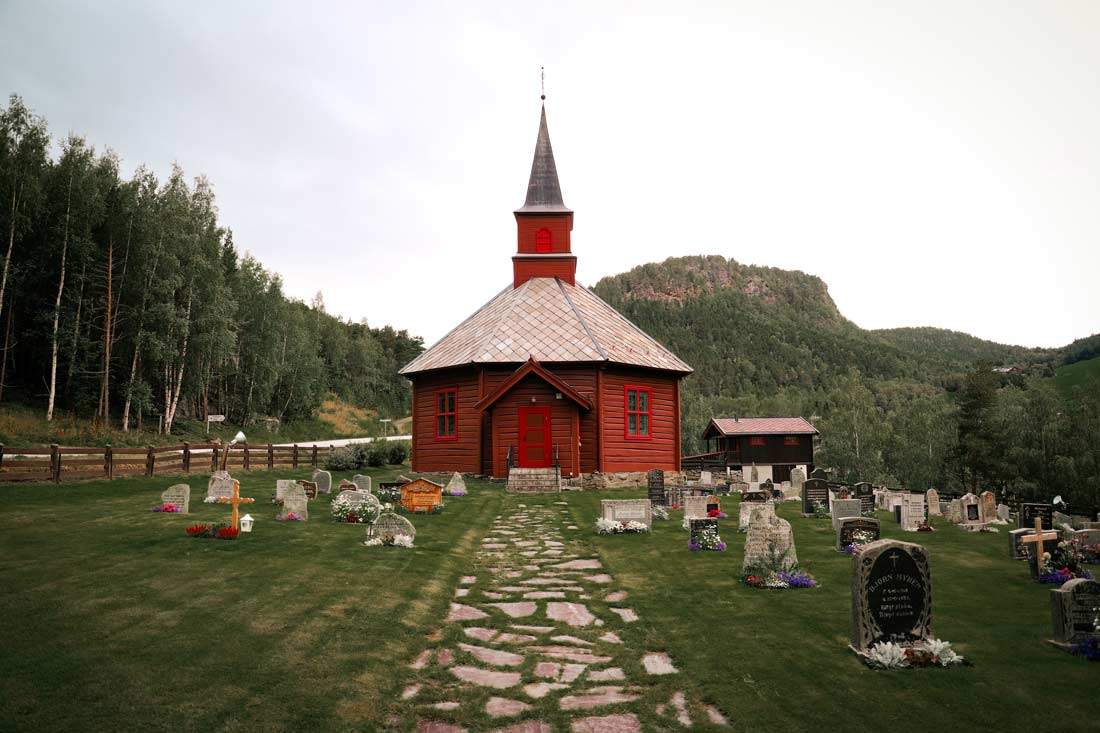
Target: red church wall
(459, 454)
(528, 225)
(525, 268)
(662, 448)
(505, 417)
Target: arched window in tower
(542, 240)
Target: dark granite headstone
(814, 491)
(696, 527)
(1021, 550)
(753, 496)
(819, 473)
(655, 482)
(1028, 512)
(891, 594)
(865, 492)
(850, 525)
(897, 513)
(971, 513)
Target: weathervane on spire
(542, 83)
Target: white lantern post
(246, 523)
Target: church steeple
(543, 222)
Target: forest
(125, 299)
(908, 407)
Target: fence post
(294, 458)
(314, 462)
(247, 463)
(186, 457)
(108, 460)
(1, 455)
(270, 457)
(55, 462)
(214, 458)
(150, 461)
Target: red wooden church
(545, 373)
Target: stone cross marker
(220, 486)
(1019, 551)
(769, 538)
(179, 495)
(323, 479)
(891, 594)
(933, 498)
(1075, 612)
(628, 510)
(362, 481)
(296, 501)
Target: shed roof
(550, 321)
(759, 426)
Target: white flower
(943, 650)
(607, 526)
(374, 542)
(210, 500)
(402, 540)
(887, 655)
(635, 526)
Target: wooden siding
(662, 449)
(774, 452)
(505, 420)
(462, 454)
(560, 225)
(563, 267)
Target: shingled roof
(550, 321)
(760, 426)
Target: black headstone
(971, 513)
(891, 594)
(655, 481)
(1028, 512)
(814, 491)
(696, 527)
(897, 513)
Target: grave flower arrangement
(610, 526)
(707, 539)
(290, 517)
(659, 512)
(716, 514)
(927, 653)
(390, 540)
(344, 511)
(1063, 564)
(821, 510)
(1090, 554)
(860, 537)
(212, 531)
(167, 507)
(776, 571)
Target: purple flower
(797, 580)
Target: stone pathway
(540, 635)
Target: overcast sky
(935, 163)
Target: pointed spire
(543, 190)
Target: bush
(376, 455)
(396, 452)
(343, 459)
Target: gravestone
(628, 510)
(713, 505)
(912, 511)
(736, 477)
(296, 501)
(696, 528)
(746, 509)
(655, 484)
(754, 475)
(281, 485)
(1062, 521)
(179, 495)
(820, 474)
(769, 542)
(456, 486)
(954, 511)
(1004, 514)
(220, 486)
(1018, 550)
(346, 485)
(1075, 612)
(323, 479)
(421, 495)
(891, 595)
(897, 513)
(843, 508)
(1028, 512)
(798, 476)
(740, 487)
(768, 487)
(361, 503)
(1085, 536)
(865, 492)
(362, 481)
(987, 506)
(814, 491)
(754, 495)
(971, 510)
(933, 498)
(850, 525)
(706, 478)
(695, 507)
(307, 486)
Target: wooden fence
(59, 463)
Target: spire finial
(542, 83)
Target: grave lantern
(246, 523)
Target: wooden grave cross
(235, 501)
(1037, 540)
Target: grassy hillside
(1077, 374)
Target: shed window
(542, 240)
(445, 423)
(758, 441)
(790, 440)
(638, 413)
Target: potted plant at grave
(1063, 564)
(775, 570)
(859, 538)
(821, 510)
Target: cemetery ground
(115, 619)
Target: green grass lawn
(1077, 374)
(115, 619)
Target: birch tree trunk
(11, 240)
(76, 328)
(57, 304)
(170, 406)
(105, 379)
(137, 341)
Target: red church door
(534, 437)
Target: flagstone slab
(486, 677)
(422, 660)
(611, 638)
(447, 706)
(541, 594)
(495, 657)
(480, 633)
(570, 672)
(626, 614)
(617, 597)
(619, 723)
(461, 592)
(445, 658)
(519, 609)
(589, 564)
(527, 726)
(468, 580)
(539, 690)
(438, 726)
(596, 697)
(602, 578)
(679, 703)
(532, 629)
(570, 654)
(573, 614)
(410, 692)
(715, 716)
(548, 670)
(566, 639)
(460, 612)
(507, 638)
(606, 675)
(502, 707)
(658, 663)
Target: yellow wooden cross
(1037, 540)
(236, 500)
